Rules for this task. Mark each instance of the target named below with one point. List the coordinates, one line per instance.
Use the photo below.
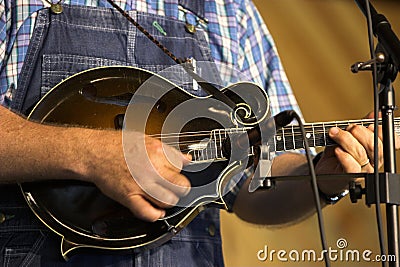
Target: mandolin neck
(290, 137)
(286, 138)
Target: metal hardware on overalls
(191, 21)
(190, 28)
(56, 8)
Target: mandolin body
(102, 98)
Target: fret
(319, 138)
(215, 143)
(205, 151)
(324, 130)
(191, 153)
(298, 141)
(294, 141)
(201, 154)
(220, 143)
(225, 136)
(284, 140)
(313, 130)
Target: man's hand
(151, 183)
(354, 152)
(31, 151)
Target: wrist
(85, 152)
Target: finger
(165, 191)
(162, 197)
(174, 158)
(175, 182)
(397, 141)
(348, 162)
(163, 156)
(187, 158)
(372, 129)
(349, 144)
(143, 210)
(366, 138)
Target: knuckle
(356, 129)
(360, 152)
(181, 180)
(345, 135)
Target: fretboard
(290, 137)
(286, 138)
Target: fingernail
(334, 131)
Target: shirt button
(211, 229)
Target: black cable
(378, 211)
(315, 189)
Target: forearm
(287, 202)
(32, 151)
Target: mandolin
(133, 99)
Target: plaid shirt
(236, 32)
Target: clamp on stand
(260, 179)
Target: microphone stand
(388, 49)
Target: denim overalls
(78, 39)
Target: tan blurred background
(318, 41)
